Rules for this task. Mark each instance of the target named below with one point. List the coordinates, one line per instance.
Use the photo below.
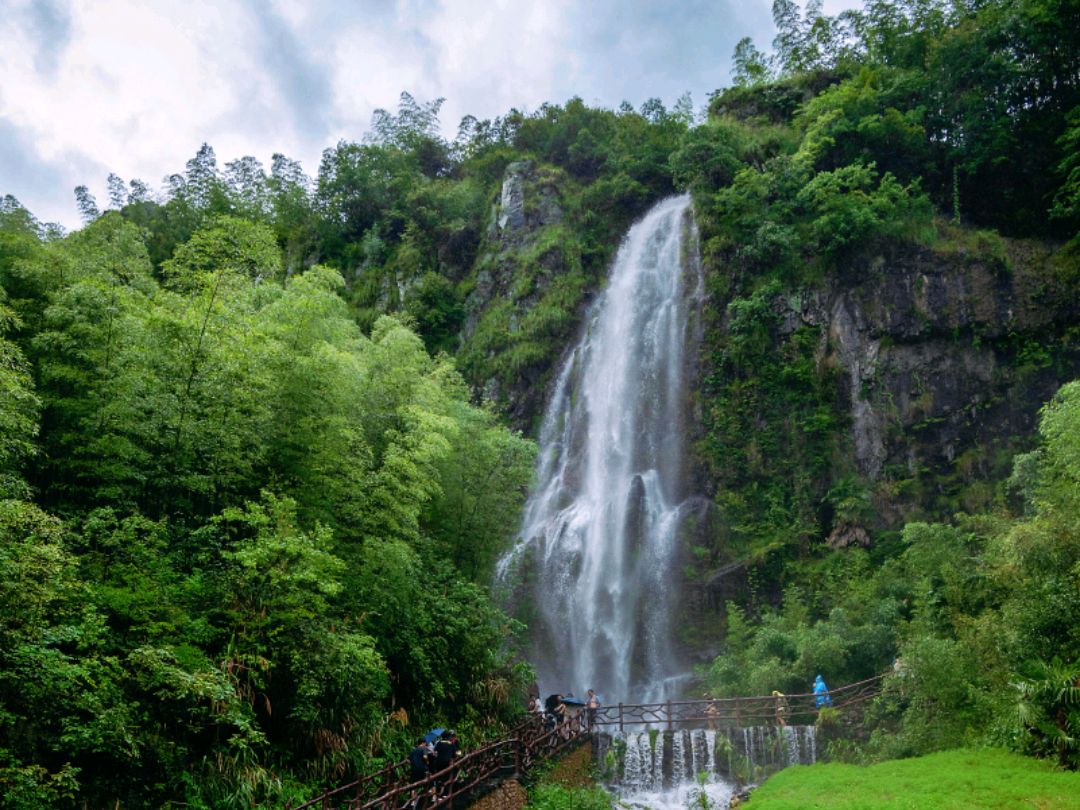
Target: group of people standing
(433, 757)
(780, 701)
(554, 709)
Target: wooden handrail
(390, 788)
(528, 742)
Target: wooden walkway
(391, 789)
(532, 742)
(795, 710)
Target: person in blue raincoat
(821, 693)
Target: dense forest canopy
(254, 463)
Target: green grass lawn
(944, 781)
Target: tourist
(418, 761)
(821, 693)
(781, 707)
(592, 704)
(712, 711)
(562, 715)
(552, 714)
(446, 750)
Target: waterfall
(638, 763)
(680, 771)
(599, 535)
(660, 769)
(709, 742)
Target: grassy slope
(951, 779)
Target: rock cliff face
(941, 355)
(935, 364)
(528, 295)
(528, 204)
(516, 219)
(941, 359)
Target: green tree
(57, 696)
(1048, 709)
(706, 159)
(83, 352)
(483, 484)
(87, 205)
(19, 407)
(750, 67)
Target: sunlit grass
(951, 779)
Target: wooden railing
(799, 709)
(392, 789)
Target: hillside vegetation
(258, 432)
(879, 186)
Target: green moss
(953, 240)
(773, 423)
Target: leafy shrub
(557, 797)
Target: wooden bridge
(534, 741)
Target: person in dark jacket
(554, 711)
(418, 761)
(446, 750)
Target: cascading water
(659, 770)
(599, 534)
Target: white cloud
(368, 72)
(135, 86)
(137, 83)
(503, 56)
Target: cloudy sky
(89, 87)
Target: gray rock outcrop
(515, 271)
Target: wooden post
(669, 714)
(620, 718)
